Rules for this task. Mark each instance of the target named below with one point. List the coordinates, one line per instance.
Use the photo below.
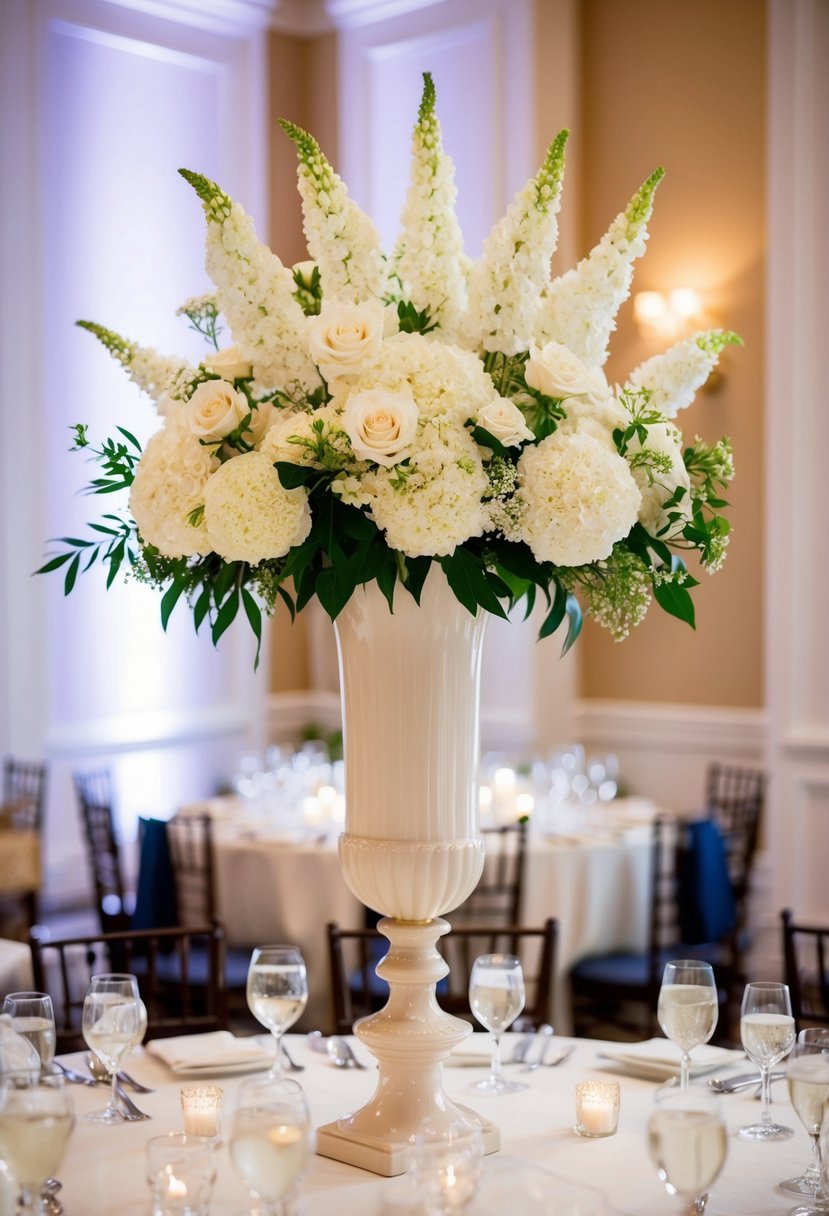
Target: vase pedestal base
(410, 1037)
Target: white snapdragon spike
(580, 307)
(674, 376)
(255, 292)
(429, 251)
(507, 282)
(152, 372)
(341, 238)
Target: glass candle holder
(180, 1174)
(201, 1106)
(597, 1108)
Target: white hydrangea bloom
(248, 513)
(255, 292)
(658, 484)
(341, 238)
(438, 506)
(578, 497)
(169, 484)
(429, 250)
(507, 282)
(154, 373)
(580, 307)
(674, 376)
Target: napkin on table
(659, 1058)
(215, 1052)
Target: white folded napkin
(202, 1054)
(659, 1058)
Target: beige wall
(681, 84)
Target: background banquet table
(589, 870)
(103, 1173)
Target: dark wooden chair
(193, 860)
(357, 990)
(805, 958)
(180, 976)
(498, 897)
(621, 989)
(94, 792)
(21, 823)
(735, 798)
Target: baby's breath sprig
(203, 314)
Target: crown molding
(303, 18)
(352, 14)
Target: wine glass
(447, 1163)
(277, 992)
(269, 1140)
(35, 1122)
(807, 1076)
(496, 997)
(687, 1143)
(687, 1008)
(767, 1032)
(33, 1016)
(113, 1022)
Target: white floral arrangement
(378, 413)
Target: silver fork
(563, 1055)
(292, 1064)
(130, 1111)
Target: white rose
(345, 339)
(557, 372)
(503, 419)
(381, 424)
(229, 364)
(304, 271)
(216, 409)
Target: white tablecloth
(103, 1174)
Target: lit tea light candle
(285, 1135)
(597, 1108)
(484, 797)
(504, 781)
(202, 1109)
(176, 1189)
(524, 804)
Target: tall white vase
(412, 849)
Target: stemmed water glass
(687, 1008)
(767, 1032)
(496, 997)
(269, 1140)
(687, 1144)
(35, 1122)
(113, 1023)
(277, 992)
(33, 1016)
(807, 1076)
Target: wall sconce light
(668, 315)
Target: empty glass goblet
(496, 997)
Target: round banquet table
(592, 873)
(103, 1172)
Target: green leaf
(294, 475)
(287, 601)
(254, 616)
(334, 589)
(576, 621)
(416, 570)
(54, 563)
(676, 601)
(485, 439)
(226, 615)
(555, 616)
(71, 574)
(201, 608)
(169, 601)
(115, 558)
(387, 578)
(128, 435)
(466, 576)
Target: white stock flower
(345, 339)
(557, 372)
(578, 499)
(248, 513)
(228, 363)
(215, 409)
(674, 376)
(503, 419)
(169, 485)
(659, 484)
(380, 424)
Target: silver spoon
(339, 1051)
(98, 1069)
(732, 1084)
(292, 1064)
(130, 1111)
(544, 1034)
